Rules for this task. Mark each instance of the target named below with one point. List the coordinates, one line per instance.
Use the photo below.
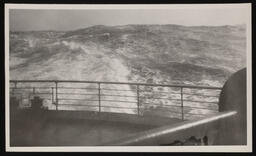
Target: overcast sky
(27, 20)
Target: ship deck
(72, 128)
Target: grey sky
(26, 20)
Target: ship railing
(177, 101)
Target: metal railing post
(15, 86)
(138, 99)
(99, 97)
(34, 91)
(52, 95)
(181, 97)
(56, 96)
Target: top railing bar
(120, 83)
(34, 81)
(41, 88)
(118, 89)
(201, 95)
(77, 88)
(163, 93)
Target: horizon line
(241, 24)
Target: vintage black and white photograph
(137, 77)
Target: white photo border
(236, 148)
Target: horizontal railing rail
(179, 101)
(124, 83)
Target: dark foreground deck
(74, 128)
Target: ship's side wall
(233, 97)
